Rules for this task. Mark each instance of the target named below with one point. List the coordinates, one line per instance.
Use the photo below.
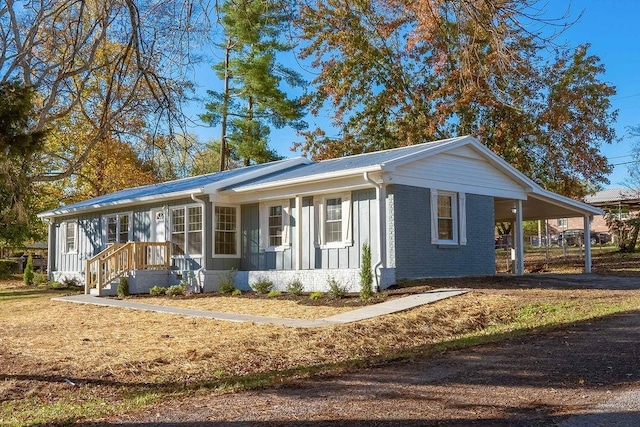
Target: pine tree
(366, 278)
(252, 99)
(27, 276)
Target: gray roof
(613, 195)
(160, 190)
(354, 162)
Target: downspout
(382, 241)
(203, 266)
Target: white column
(519, 243)
(298, 227)
(587, 244)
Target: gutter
(381, 195)
(303, 179)
(203, 266)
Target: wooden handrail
(119, 259)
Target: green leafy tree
(397, 73)
(252, 99)
(19, 144)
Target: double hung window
(448, 218)
(274, 225)
(70, 231)
(186, 230)
(118, 228)
(334, 220)
(225, 238)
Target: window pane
(225, 230)
(333, 232)
(112, 229)
(71, 236)
(177, 220)
(178, 243)
(124, 229)
(195, 218)
(177, 231)
(275, 226)
(445, 229)
(444, 207)
(445, 217)
(333, 220)
(194, 244)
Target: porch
(121, 259)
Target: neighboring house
(623, 201)
(426, 210)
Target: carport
(540, 204)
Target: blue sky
(610, 26)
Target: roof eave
(303, 180)
(566, 202)
(120, 204)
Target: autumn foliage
(396, 72)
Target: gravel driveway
(587, 374)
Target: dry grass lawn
(62, 362)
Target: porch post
(519, 243)
(298, 228)
(587, 244)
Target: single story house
(426, 210)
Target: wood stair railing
(118, 260)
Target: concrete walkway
(387, 307)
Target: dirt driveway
(587, 374)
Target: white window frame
(237, 231)
(264, 211)
(74, 224)
(562, 222)
(459, 217)
(347, 227)
(117, 216)
(185, 232)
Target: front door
(158, 228)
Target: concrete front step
(108, 290)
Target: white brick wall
(312, 280)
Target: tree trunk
(225, 109)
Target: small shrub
(40, 279)
(295, 287)
(6, 267)
(315, 295)
(366, 278)
(262, 286)
(274, 294)
(27, 276)
(175, 290)
(236, 292)
(227, 284)
(335, 290)
(123, 287)
(158, 290)
(57, 285)
(70, 282)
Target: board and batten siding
(364, 208)
(460, 170)
(91, 236)
(88, 242)
(253, 258)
